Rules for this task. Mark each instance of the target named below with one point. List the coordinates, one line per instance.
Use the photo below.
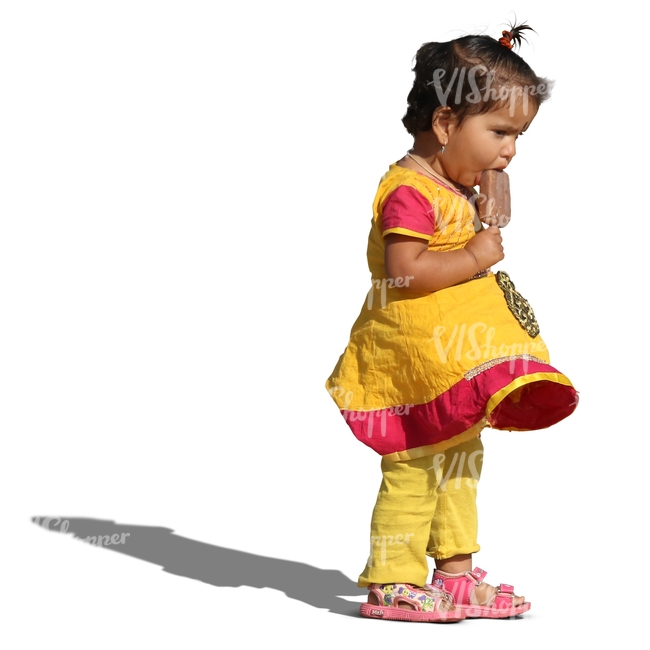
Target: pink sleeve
(407, 212)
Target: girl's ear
(443, 119)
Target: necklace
(427, 169)
(435, 175)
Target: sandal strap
(423, 599)
(478, 574)
(461, 586)
(502, 597)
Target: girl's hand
(486, 247)
(501, 222)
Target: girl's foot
(405, 602)
(478, 599)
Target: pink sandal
(429, 604)
(462, 585)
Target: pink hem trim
(398, 428)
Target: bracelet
(480, 274)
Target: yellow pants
(425, 507)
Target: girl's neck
(424, 166)
(424, 160)
(426, 145)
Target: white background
(185, 193)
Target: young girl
(444, 347)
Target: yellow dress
(425, 371)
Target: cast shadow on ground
(214, 565)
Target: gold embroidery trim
(495, 362)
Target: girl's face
(482, 142)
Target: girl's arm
(430, 270)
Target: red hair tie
(506, 39)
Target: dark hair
(471, 75)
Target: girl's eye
(501, 133)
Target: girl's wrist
(478, 268)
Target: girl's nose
(509, 151)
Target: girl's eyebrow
(508, 128)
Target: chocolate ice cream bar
(494, 201)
